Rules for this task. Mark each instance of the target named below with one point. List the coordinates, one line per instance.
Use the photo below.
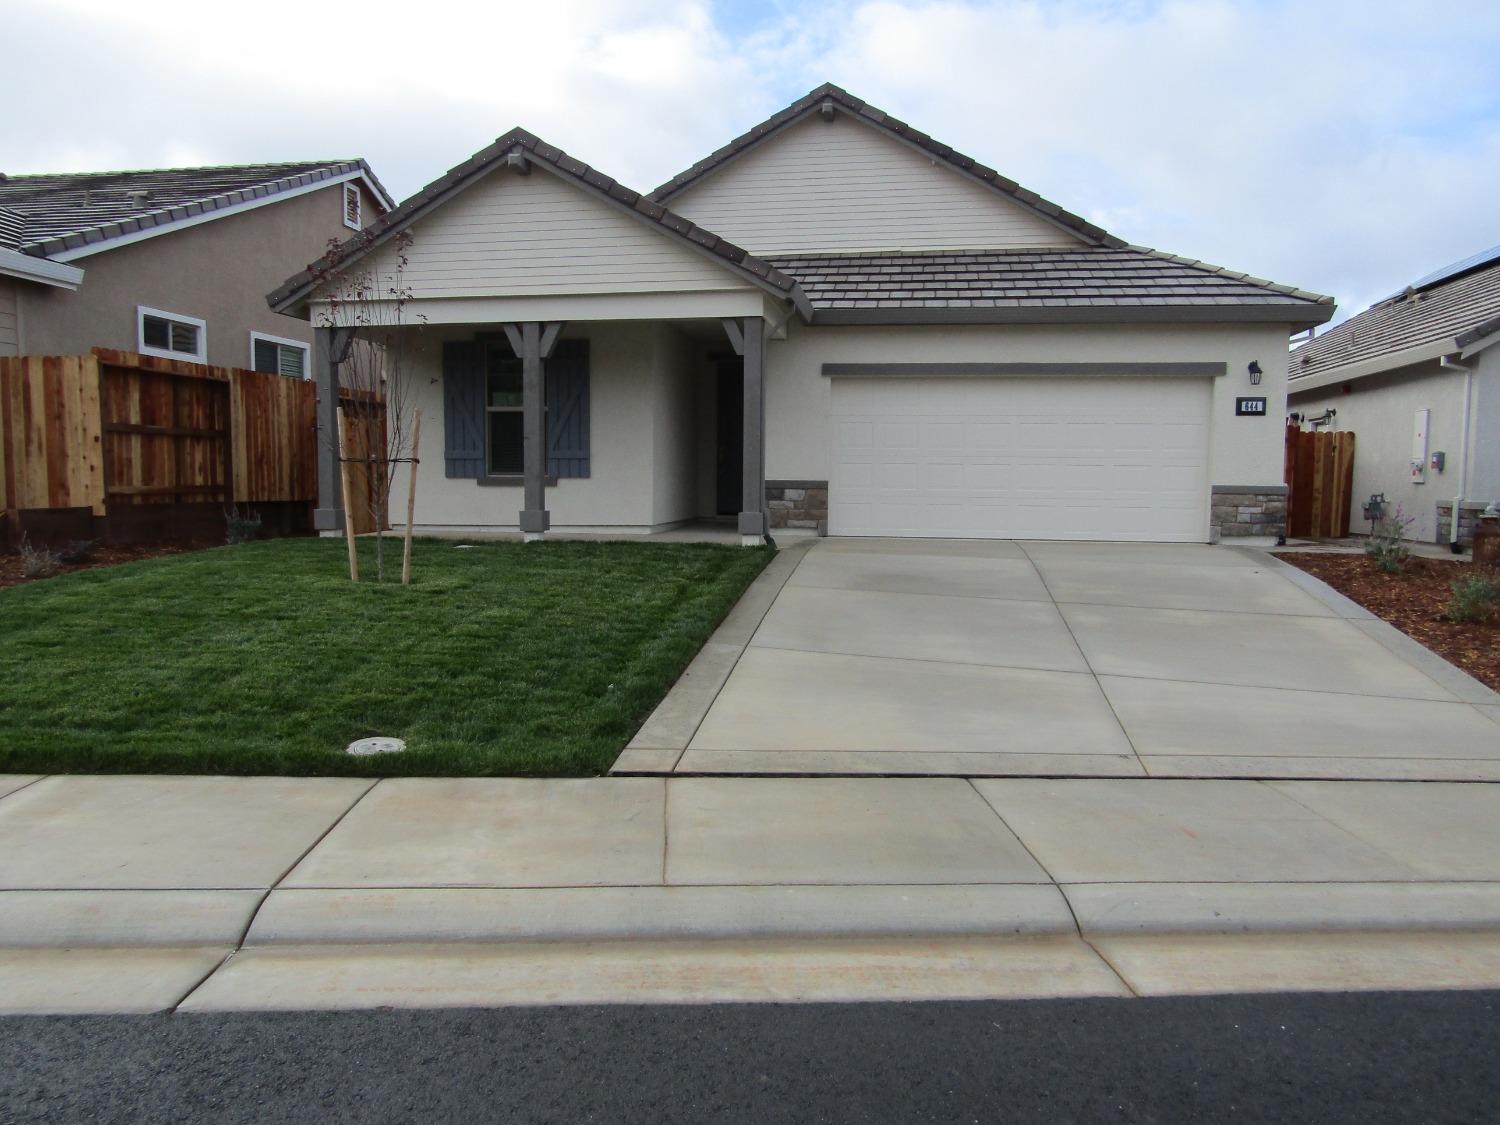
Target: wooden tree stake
(411, 498)
(348, 498)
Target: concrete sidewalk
(200, 893)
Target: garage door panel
(1021, 458)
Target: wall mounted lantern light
(1255, 373)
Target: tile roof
(870, 115)
(520, 142)
(1447, 316)
(67, 211)
(1062, 278)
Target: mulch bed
(101, 555)
(1414, 602)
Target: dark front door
(731, 433)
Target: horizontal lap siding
(512, 235)
(10, 323)
(843, 186)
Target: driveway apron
(975, 658)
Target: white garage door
(1021, 458)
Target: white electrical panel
(1419, 446)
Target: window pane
(505, 389)
(184, 338)
(505, 442)
(293, 362)
(156, 332)
(265, 356)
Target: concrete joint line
(261, 902)
(22, 788)
(1110, 703)
(1062, 893)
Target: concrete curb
(1448, 676)
(134, 919)
(499, 915)
(1105, 909)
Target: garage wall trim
(992, 370)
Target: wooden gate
(1320, 483)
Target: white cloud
(1341, 145)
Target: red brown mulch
(101, 555)
(1415, 602)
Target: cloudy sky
(1346, 146)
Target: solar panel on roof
(1473, 261)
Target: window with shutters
(352, 207)
(280, 356)
(170, 335)
(504, 417)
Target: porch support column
(330, 349)
(533, 342)
(753, 474)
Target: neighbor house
(173, 262)
(833, 323)
(1416, 379)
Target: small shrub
(1387, 543)
(38, 562)
(1474, 598)
(78, 551)
(241, 527)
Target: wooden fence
(1320, 483)
(133, 448)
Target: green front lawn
(500, 658)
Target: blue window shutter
(568, 409)
(463, 408)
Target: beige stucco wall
(1241, 450)
(642, 455)
(10, 327)
(1380, 411)
(218, 272)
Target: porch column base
(534, 521)
(752, 540)
(752, 523)
(328, 519)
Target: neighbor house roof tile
(1455, 311)
(65, 211)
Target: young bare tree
(377, 388)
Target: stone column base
(1243, 511)
(798, 503)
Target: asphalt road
(1428, 1057)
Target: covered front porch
(583, 358)
(614, 428)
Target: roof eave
(42, 271)
(1374, 365)
(1295, 316)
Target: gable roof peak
(520, 141)
(862, 111)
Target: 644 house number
(1250, 407)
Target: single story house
(834, 322)
(1416, 378)
(172, 262)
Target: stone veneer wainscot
(798, 503)
(1241, 510)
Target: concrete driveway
(930, 657)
